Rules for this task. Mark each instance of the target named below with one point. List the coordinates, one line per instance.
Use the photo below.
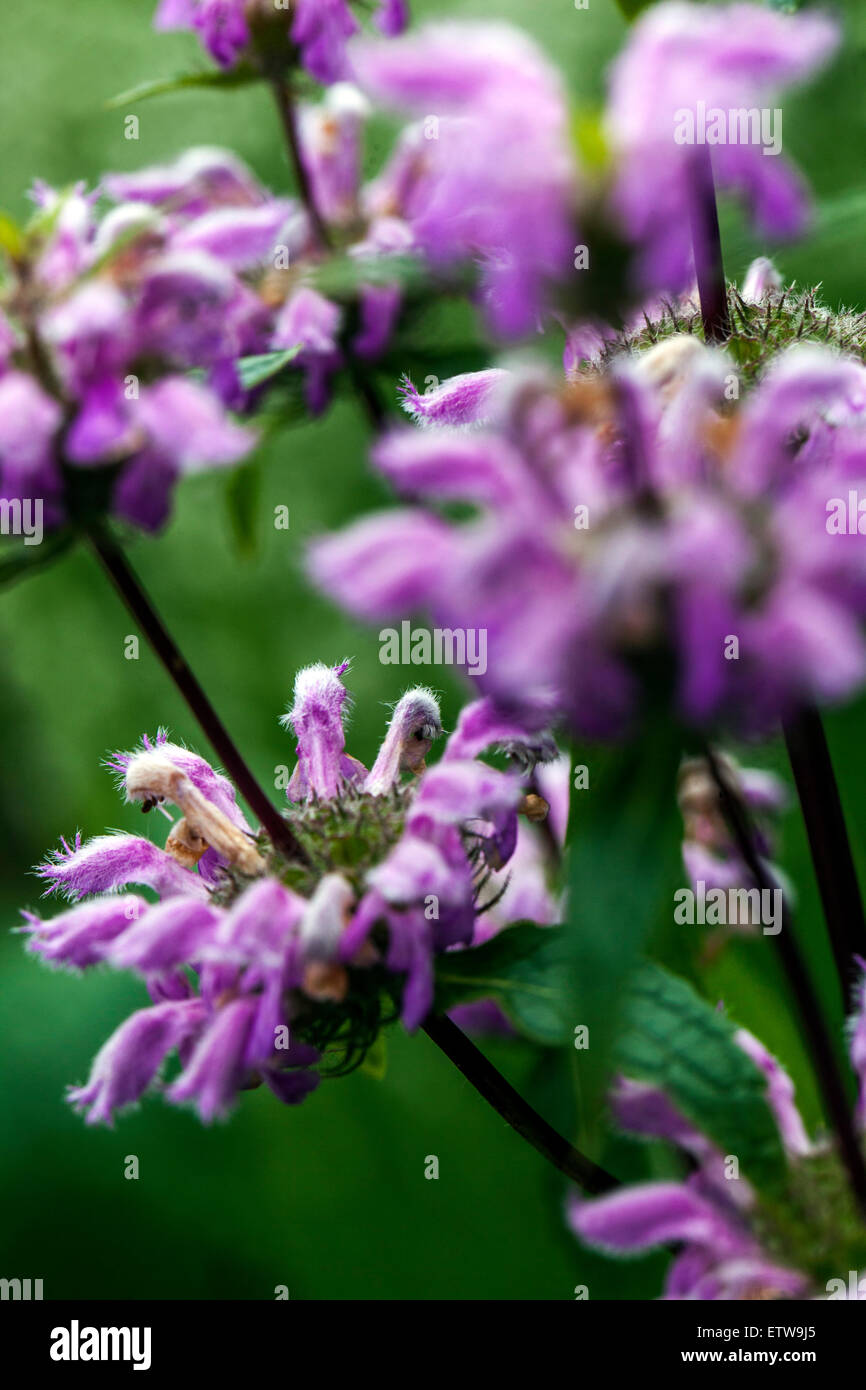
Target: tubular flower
(594, 505)
(490, 177)
(266, 968)
(698, 81)
(732, 1242)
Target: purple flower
(310, 321)
(414, 725)
(221, 25)
(461, 400)
(331, 150)
(131, 1058)
(244, 947)
(706, 76)
(201, 179)
(83, 935)
(727, 1235)
(319, 28)
(216, 1070)
(170, 278)
(489, 176)
(316, 715)
(594, 507)
(762, 278)
(710, 857)
(29, 421)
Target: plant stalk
(821, 805)
(821, 1051)
(130, 589)
(289, 122)
(367, 393)
(707, 246)
(518, 1113)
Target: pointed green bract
(219, 78)
(253, 371)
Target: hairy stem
(134, 596)
(367, 393)
(821, 805)
(817, 1037)
(707, 245)
(289, 121)
(508, 1103)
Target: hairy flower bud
(414, 725)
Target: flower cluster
(107, 311)
(194, 266)
(262, 967)
(317, 31)
(597, 503)
(732, 1242)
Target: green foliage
(759, 330)
(678, 1042)
(209, 79)
(625, 833)
(255, 371)
(375, 1064)
(18, 561)
(522, 968)
(814, 1222)
(243, 504)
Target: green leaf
(253, 371)
(375, 1063)
(678, 1042)
(243, 494)
(623, 867)
(219, 79)
(20, 560)
(522, 969)
(341, 277)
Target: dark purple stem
(707, 245)
(820, 1047)
(134, 596)
(508, 1103)
(289, 121)
(367, 392)
(821, 805)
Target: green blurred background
(329, 1199)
